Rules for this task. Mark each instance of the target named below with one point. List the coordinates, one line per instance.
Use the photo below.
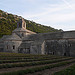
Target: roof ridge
(14, 36)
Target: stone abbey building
(25, 41)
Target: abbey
(25, 41)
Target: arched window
(64, 54)
(13, 47)
(53, 53)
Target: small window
(64, 54)
(13, 47)
(53, 53)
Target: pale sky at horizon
(59, 14)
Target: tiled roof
(25, 45)
(23, 30)
(4, 37)
(13, 37)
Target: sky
(59, 14)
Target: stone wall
(57, 43)
(11, 46)
(60, 43)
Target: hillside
(8, 22)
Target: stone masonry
(28, 42)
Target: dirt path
(4, 70)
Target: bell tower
(21, 23)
